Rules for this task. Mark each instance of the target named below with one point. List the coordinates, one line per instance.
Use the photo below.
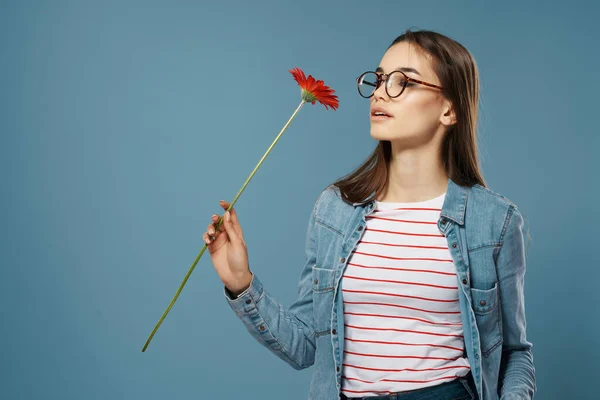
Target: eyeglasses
(395, 83)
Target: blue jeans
(462, 388)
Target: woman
(414, 275)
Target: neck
(415, 175)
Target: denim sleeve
(288, 333)
(517, 373)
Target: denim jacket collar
(455, 202)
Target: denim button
(360, 228)
(482, 302)
(262, 327)
(464, 281)
(343, 259)
(333, 331)
(453, 245)
(443, 222)
(316, 281)
(248, 301)
(337, 369)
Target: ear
(448, 116)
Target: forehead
(405, 54)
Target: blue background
(123, 123)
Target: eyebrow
(403, 69)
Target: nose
(380, 91)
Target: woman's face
(418, 113)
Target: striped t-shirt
(402, 322)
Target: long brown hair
(456, 69)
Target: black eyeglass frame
(381, 77)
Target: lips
(380, 112)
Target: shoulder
(331, 190)
(490, 201)
(492, 195)
(331, 199)
(490, 207)
(327, 198)
(327, 195)
(331, 210)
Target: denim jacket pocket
(487, 315)
(322, 286)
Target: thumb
(231, 232)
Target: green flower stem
(218, 225)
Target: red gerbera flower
(315, 90)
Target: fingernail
(227, 215)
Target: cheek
(417, 112)
(419, 103)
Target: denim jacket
(485, 237)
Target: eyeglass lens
(368, 83)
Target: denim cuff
(246, 301)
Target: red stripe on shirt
(400, 295)
(401, 282)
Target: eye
(399, 80)
(408, 82)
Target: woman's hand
(228, 251)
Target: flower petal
(313, 89)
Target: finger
(231, 232)
(212, 233)
(224, 204)
(214, 238)
(210, 229)
(206, 239)
(215, 219)
(234, 218)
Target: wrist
(241, 284)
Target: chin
(380, 133)
(391, 135)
